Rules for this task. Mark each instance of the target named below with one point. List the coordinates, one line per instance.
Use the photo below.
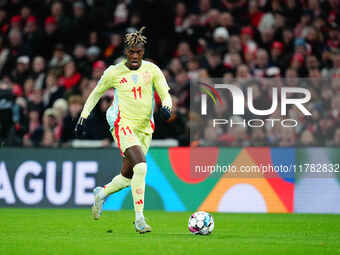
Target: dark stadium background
(52, 53)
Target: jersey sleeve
(106, 82)
(162, 87)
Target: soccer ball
(201, 223)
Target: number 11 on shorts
(127, 128)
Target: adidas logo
(123, 80)
(139, 202)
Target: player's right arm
(105, 82)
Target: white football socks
(139, 216)
(138, 188)
(118, 182)
(101, 194)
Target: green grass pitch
(69, 231)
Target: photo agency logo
(242, 101)
(210, 91)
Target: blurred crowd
(52, 53)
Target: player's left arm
(162, 89)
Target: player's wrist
(165, 112)
(81, 120)
(167, 102)
(79, 129)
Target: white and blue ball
(201, 223)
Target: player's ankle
(102, 194)
(139, 216)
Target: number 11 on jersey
(139, 90)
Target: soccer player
(131, 120)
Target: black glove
(165, 112)
(79, 130)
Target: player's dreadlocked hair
(133, 39)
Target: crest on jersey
(147, 77)
(134, 78)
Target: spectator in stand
(258, 137)
(60, 58)
(175, 66)
(48, 139)
(28, 88)
(220, 37)
(214, 64)
(34, 124)
(6, 108)
(325, 130)
(80, 59)
(242, 73)
(61, 108)
(25, 13)
(334, 70)
(63, 22)
(32, 35)
(20, 119)
(41, 135)
(180, 16)
(287, 137)
(277, 54)
(52, 90)
(94, 39)
(98, 69)
(261, 63)
(4, 52)
(79, 23)
(16, 22)
(97, 126)
(307, 138)
(21, 71)
(184, 52)
(38, 72)
(204, 7)
(182, 91)
(75, 106)
(227, 21)
(3, 21)
(36, 100)
(93, 54)
(336, 140)
(114, 49)
(71, 77)
(16, 49)
(51, 37)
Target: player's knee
(140, 169)
(127, 172)
(135, 155)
